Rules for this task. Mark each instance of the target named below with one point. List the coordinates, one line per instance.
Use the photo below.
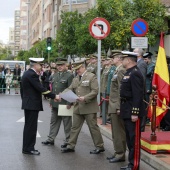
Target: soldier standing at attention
(103, 82)
(149, 74)
(111, 70)
(85, 86)
(117, 124)
(132, 107)
(31, 95)
(92, 67)
(60, 81)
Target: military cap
(94, 56)
(147, 55)
(61, 61)
(129, 54)
(76, 65)
(88, 58)
(115, 52)
(108, 58)
(103, 58)
(36, 60)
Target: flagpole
(153, 136)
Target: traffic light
(49, 43)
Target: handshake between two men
(69, 96)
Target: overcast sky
(7, 9)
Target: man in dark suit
(141, 64)
(132, 107)
(32, 91)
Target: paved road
(51, 157)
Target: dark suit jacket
(142, 67)
(17, 73)
(32, 91)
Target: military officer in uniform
(85, 86)
(111, 70)
(92, 67)
(132, 107)
(103, 82)
(149, 74)
(117, 124)
(32, 91)
(60, 81)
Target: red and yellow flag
(161, 80)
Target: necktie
(80, 78)
(60, 74)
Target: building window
(74, 1)
(17, 33)
(17, 23)
(17, 27)
(17, 18)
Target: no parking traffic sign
(139, 27)
(99, 28)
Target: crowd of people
(126, 81)
(10, 79)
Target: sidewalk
(157, 161)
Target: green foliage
(86, 44)
(66, 39)
(5, 54)
(73, 37)
(38, 50)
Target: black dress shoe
(111, 157)
(167, 128)
(128, 168)
(47, 143)
(64, 145)
(96, 151)
(114, 160)
(66, 150)
(34, 152)
(124, 167)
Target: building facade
(11, 43)
(23, 24)
(44, 16)
(17, 31)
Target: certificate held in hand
(69, 96)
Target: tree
(66, 39)
(121, 15)
(86, 44)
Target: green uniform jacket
(110, 75)
(104, 78)
(114, 98)
(59, 84)
(92, 68)
(87, 87)
(149, 76)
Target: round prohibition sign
(99, 28)
(139, 27)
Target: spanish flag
(161, 80)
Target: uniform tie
(80, 78)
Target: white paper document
(63, 111)
(69, 96)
